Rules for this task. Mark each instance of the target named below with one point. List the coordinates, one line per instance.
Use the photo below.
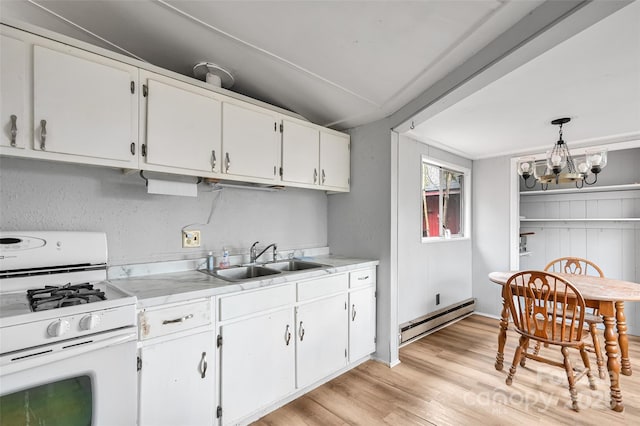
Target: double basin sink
(244, 273)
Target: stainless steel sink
(294, 265)
(241, 273)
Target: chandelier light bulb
(596, 159)
(556, 160)
(583, 167)
(525, 167)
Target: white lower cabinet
(322, 339)
(257, 363)
(362, 322)
(176, 365)
(177, 381)
(279, 341)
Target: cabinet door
(83, 106)
(177, 382)
(362, 323)
(321, 333)
(334, 161)
(249, 142)
(183, 127)
(257, 363)
(300, 153)
(13, 91)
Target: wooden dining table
(607, 295)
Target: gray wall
(360, 222)
(490, 217)
(41, 195)
(425, 269)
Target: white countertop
(159, 289)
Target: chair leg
(536, 351)
(587, 365)
(523, 356)
(570, 377)
(602, 372)
(516, 359)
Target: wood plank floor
(448, 378)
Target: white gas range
(67, 337)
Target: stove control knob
(89, 322)
(58, 328)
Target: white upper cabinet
(334, 161)
(250, 140)
(300, 152)
(13, 92)
(181, 127)
(84, 106)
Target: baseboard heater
(428, 323)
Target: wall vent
(432, 322)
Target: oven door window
(66, 402)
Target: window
(444, 200)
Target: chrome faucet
(254, 255)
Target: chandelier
(560, 166)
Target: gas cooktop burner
(51, 297)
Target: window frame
(466, 200)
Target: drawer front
(172, 319)
(362, 277)
(324, 286)
(256, 301)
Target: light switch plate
(190, 239)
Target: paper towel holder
(146, 181)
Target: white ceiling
(593, 78)
(339, 64)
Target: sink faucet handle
(253, 252)
(275, 253)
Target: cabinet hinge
(218, 412)
(375, 339)
(345, 353)
(139, 364)
(281, 171)
(281, 128)
(143, 150)
(145, 90)
(133, 87)
(345, 306)
(219, 341)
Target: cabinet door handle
(43, 134)
(287, 335)
(203, 365)
(366, 277)
(324, 177)
(14, 129)
(301, 331)
(228, 159)
(181, 319)
(133, 148)
(315, 175)
(213, 160)
(353, 312)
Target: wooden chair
(579, 266)
(548, 309)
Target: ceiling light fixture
(560, 167)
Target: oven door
(88, 381)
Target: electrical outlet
(190, 239)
